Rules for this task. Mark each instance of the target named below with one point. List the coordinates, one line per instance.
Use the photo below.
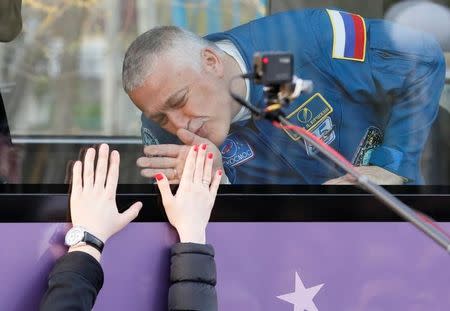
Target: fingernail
(204, 146)
(219, 172)
(159, 176)
(195, 147)
(210, 155)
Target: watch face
(74, 236)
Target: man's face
(179, 96)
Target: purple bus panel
(359, 266)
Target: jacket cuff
(393, 160)
(193, 263)
(230, 172)
(83, 264)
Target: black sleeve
(10, 19)
(73, 284)
(4, 128)
(192, 278)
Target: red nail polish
(219, 172)
(204, 146)
(195, 148)
(210, 155)
(159, 176)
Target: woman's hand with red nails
(190, 208)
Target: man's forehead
(167, 78)
(162, 91)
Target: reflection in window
(62, 75)
(61, 78)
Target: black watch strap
(93, 241)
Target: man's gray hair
(147, 47)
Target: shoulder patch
(349, 36)
(310, 114)
(325, 131)
(235, 151)
(371, 139)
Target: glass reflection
(379, 103)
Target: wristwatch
(79, 236)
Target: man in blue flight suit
(376, 92)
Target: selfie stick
(422, 222)
(273, 113)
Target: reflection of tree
(366, 8)
(59, 20)
(45, 62)
(66, 88)
(64, 93)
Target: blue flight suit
(376, 111)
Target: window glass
(61, 84)
(379, 71)
(433, 19)
(63, 74)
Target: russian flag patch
(349, 35)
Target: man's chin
(218, 141)
(217, 137)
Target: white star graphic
(302, 297)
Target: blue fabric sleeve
(153, 134)
(402, 76)
(412, 82)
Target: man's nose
(177, 119)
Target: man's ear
(212, 62)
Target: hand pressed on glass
(190, 208)
(93, 195)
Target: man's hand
(93, 196)
(190, 208)
(170, 159)
(376, 174)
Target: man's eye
(179, 103)
(161, 120)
